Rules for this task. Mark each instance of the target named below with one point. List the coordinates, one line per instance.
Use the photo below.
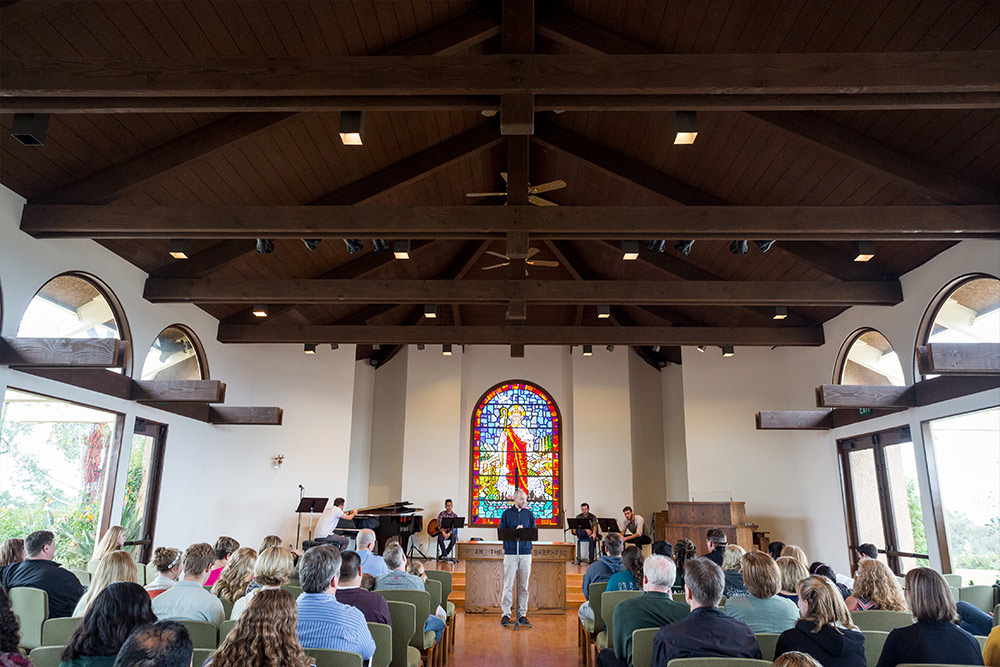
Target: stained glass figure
(516, 431)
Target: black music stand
(416, 522)
(517, 535)
(608, 525)
(580, 524)
(451, 523)
(310, 505)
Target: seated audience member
(270, 572)
(38, 570)
(11, 551)
(236, 576)
(630, 578)
(349, 591)
(114, 613)
(398, 578)
(370, 563)
(162, 644)
(634, 531)
(875, 587)
(867, 550)
(973, 620)
(225, 547)
(795, 659)
(653, 609)
(732, 567)
(167, 562)
(112, 541)
(187, 600)
(797, 553)
(706, 632)
(824, 570)
(115, 566)
(602, 570)
(934, 638)
(792, 573)
(367, 582)
(264, 635)
(10, 634)
(763, 610)
(826, 631)
(268, 542)
(991, 652)
(662, 548)
(416, 568)
(684, 550)
(588, 535)
(717, 543)
(774, 549)
(325, 622)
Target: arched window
(176, 354)
(73, 305)
(965, 311)
(516, 444)
(867, 358)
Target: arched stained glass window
(516, 444)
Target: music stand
(579, 524)
(608, 525)
(308, 505)
(451, 523)
(517, 535)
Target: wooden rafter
(959, 358)
(816, 420)
(926, 392)
(63, 352)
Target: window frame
(848, 344)
(199, 349)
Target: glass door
(142, 487)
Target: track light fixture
(685, 127)
(446, 349)
(334, 346)
(684, 247)
(430, 311)
(764, 245)
(259, 310)
(373, 361)
(401, 249)
(780, 312)
(656, 348)
(376, 347)
(309, 348)
(630, 250)
(420, 346)
(702, 348)
(728, 351)
(610, 348)
(658, 246)
(380, 245)
(312, 244)
(353, 246)
(603, 312)
(738, 247)
(265, 246)
(180, 248)
(352, 128)
(864, 251)
(588, 350)
(30, 128)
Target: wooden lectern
(693, 520)
(484, 576)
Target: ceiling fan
(530, 262)
(533, 191)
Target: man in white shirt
(328, 521)
(188, 600)
(370, 563)
(634, 531)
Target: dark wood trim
(153, 487)
(934, 491)
(178, 391)
(99, 380)
(63, 352)
(959, 359)
(207, 261)
(850, 506)
(815, 420)
(909, 223)
(111, 473)
(927, 392)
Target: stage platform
(574, 581)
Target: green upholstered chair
(589, 630)
(83, 576)
(31, 606)
(422, 641)
(404, 626)
(225, 629)
(140, 574)
(203, 635)
(227, 608)
(201, 655)
(46, 656)
(980, 596)
(610, 600)
(296, 591)
(328, 657)
(982, 642)
(874, 641)
(444, 576)
(642, 646)
(954, 580)
(996, 615)
(768, 642)
(92, 565)
(151, 572)
(382, 634)
(878, 619)
(57, 631)
(434, 589)
(679, 597)
(718, 662)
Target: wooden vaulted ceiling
(940, 153)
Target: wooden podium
(484, 576)
(693, 520)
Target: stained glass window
(516, 436)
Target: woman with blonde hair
(12, 551)
(934, 638)
(236, 578)
(265, 635)
(268, 542)
(115, 566)
(732, 568)
(762, 609)
(271, 571)
(113, 540)
(797, 553)
(825, 631)
(795, 659)
(168, 566)
(875, 587)
(792, 573)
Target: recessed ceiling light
(864, 251)
(260, 310)
(180, 248)
(630, 250)
(685, 127)
(352, 128)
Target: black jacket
(716, 555)
(706, 633)
(931, 642)
(832, 647)
(63, 587)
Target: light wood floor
(481, 640)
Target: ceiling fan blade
(545, 187)
(538, 201)
(543, 262)
(532, 252)
(495, 266)
(496, 254)
(485, 194)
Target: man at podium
(516, 560)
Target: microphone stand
(298, 528)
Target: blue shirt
(372, 564)
(324, 622)
(512, 518)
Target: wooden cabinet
(693, 520)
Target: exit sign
(864, 412)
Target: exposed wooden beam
(831, 262)
(178, 391)
(927, 392)
(207, 261)
(227, 415)
(815, 420)
(99, 380)
(63, 352)
(530, 335)
(581, 222)
(959, 358)
(701, 293)
(451, 37)
(19, 10)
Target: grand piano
(398, 519)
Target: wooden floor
(481, 640)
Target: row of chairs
(981, 596)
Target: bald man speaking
(516, 560)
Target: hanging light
(603, 312)
(309, 348)
(864, 251)
(401, 249)
(588, 350)
(685, 127)
(180, 248)
(352, 128)
(430, 311)
(780, 312)
(728, 351)
(630, 250)
(446, 349)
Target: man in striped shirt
(323, 621)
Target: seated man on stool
(328, 521)
(446, 536)
(635, 528)
(591, 534)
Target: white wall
(359, 473)
(649, 472)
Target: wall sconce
(276, 461)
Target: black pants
(607, 658)
(591, 541)
(639, 541)
(447, 544)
